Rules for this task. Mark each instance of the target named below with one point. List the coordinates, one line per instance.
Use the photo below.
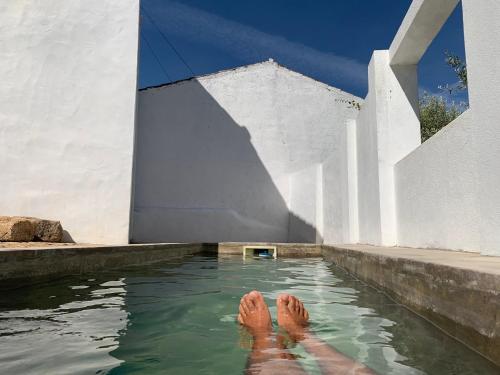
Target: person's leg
(266, 357)
(294, 318)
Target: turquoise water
(179, 318)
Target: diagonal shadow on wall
(198, 178)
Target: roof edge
(269, 61)
(236, 68)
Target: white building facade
(259, 153)
(67, 113)
(238, 156)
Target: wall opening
(260, 252)
(443, 94)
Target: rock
(16, 229)
(25, 229)
(46, 230)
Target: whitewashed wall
(305, 203)
(447, 188)
(67, 107)
(325, 195)
(368, 178)
(258, 153)
(482, 44)
(387, 130)
(339, 190)
(215, 154)
(436, 191)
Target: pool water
(179, 318)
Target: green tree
(460, 69)
(435, 111)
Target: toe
(247, 304)
(292, 303)
(283, 298)
(300, 308)
(240, 319)
(282, 302)
(243, 310)
(257, 299)
(256, 296)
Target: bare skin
(269, 356)
(294, 318)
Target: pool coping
(25, 263)
(458, 292)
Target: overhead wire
(165, 38)
(156, 57)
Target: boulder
(47, 230)
(25, 229)
(16, 229)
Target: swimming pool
(178, 317)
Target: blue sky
(331, 41)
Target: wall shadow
(407, 78)
(198, 177)
(301, 232)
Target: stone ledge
(24, 263)
(458, 292)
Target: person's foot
(292, 316)
(254, 314)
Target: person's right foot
(254, 314)
(292, 316)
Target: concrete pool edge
(462, 300)
(25, 263)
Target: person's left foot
(292, 316)
(254, 314)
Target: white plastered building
(259, 153)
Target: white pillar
(390, 122)
(394, 94)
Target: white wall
(305, 203)
(436, 191)
(215, 154)
(257, 153)
(422, 22)
(447, 189)
(339, 190)
(315, 176)
(325, 195)
(482, 43)
(67, 106)
(368, 177)
(444, 192)
(387, 130)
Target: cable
(168, 41)
(156, 57)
